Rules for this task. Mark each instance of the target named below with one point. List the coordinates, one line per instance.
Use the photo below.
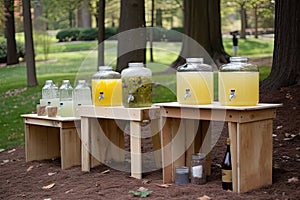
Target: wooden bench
(187, 129)
(102, 135)
(52, 137)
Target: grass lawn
(77, 60)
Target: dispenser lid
(194, 64)
(238, 64)
(106, 72)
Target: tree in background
(286, 66)
(101, 31)
(12, 56)
(202, 23)
(131, 43)
(84, 19)
(29, 56)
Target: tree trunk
(29, 56)
(256, 21)
(101, 31)
(12, 55)
(243, 22)
(202, 28)
(38, 15)
(151, 31)
(286, 63)
(131, 43)
(84, 15)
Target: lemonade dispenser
(238, 83)
(195, 82)
(107, 87)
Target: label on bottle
(197, 171)
(226, 176)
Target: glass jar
(82, 95)
(238, 83)
(136, 86)
(181, 175)
(66, 108)
(198, 169)
(49, 94)
(195, 82)
(107, 87)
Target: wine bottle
(227, 169)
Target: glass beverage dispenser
(107, 87)
(195, 82)
(238, 83)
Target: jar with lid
(195, 82)
(49, 94)
(198, 168)
(136, 86)
(238, 83)
(106, 87)
(82, 95)
(66, 108)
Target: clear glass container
(238, 83)
(66, 99)
(106, 87)
(195, 82)
(182, 175)
(82, 95)
(198, 169)
(136, 86)
(49, 94)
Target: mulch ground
(45, 179)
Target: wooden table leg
(232, 129)
(136, 149)
(155, 131)
(85, 144)
(166, 139)
(70, 148)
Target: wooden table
(250, 130)
(48, 138)
(102, 135)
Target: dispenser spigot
(101, 96)
(232, 95)
(187, 93)
(130, 97)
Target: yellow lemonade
(195, 87)
(107, 92)
(239, 88)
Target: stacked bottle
(82, 95)
(50, 95)
(136, 86)
(107, 87)
(66, 108)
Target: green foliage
(88, 34)
(3, 50)
(66, 35)
(141, 193)
(110, 32)
(42, 41)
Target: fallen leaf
(293, 180)
(1, 150)
(105, 172)
(51, 173)
(274, 135)
(204, 197)
(48, 199)
(163, 185)
(5, 161)
(69, 191)
(285, 157)
(29, 168)
(279, 127)
(11, 151)
(298, 149)
(48, 186)
(142, 189)
(146, 181)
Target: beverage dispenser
(238, 83)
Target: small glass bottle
(198, 169)
(82, 95)
(49, 94)
(66, 98)
(182, 175)
(227, 168)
